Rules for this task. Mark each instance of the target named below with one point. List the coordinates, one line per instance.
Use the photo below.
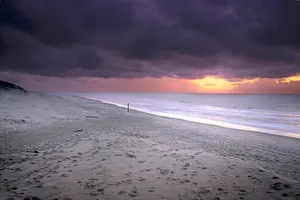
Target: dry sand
(64, 147)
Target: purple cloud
(153, 38)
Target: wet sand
(60, 147)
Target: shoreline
(92, 150)
(286, 135)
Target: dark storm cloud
(129, 38)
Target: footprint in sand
(284, 195)
(133, 192)
(64, 175)
(75, 157)
(126, 182)
(101, 190)
(185, 181)
(186, 166)
(152, 189)
(242, 192)
(280, 186)
(141, 179)
(122, 192)
(130, 155)
(94, 194)
(31, 198)
(128, 174)
(164, 171)
(203, 191)
(194, 173)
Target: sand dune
(64, 147)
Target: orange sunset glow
(212, 84)
(292, 78)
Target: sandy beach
(66, 147)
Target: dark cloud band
(128, 38)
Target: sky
(205, 46)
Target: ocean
(267, 113)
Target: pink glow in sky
(206, 85)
